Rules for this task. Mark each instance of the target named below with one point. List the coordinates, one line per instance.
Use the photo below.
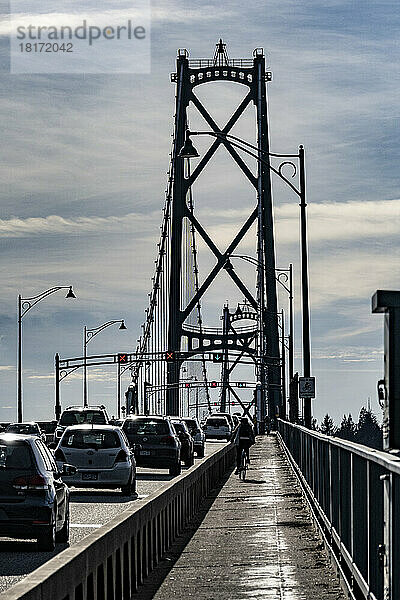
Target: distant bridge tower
(250, 73)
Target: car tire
(190, 461)
(130, 488)
(47, 539)
(63, 534)
(200, 452)
(175, 469)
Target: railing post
(387, 536)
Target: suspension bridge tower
(264, 349)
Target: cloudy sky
(83, 170)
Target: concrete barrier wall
(113, 561)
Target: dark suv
(154, 441)
(79, 415)
(34, 500)
(187, 449)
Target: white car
(217, 427)
(101, 455)
(230, 418)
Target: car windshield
(15, 456)
(142, 427)
(26, 428)
(77, 417)
(95, 439)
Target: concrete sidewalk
(253, 539)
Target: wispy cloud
(352, 221)
(55, 225)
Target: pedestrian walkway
(254, 539)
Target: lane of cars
(91, 454)
(89, 510)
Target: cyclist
(267, 423)
(244, 438)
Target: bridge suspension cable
(149, 378)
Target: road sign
(306, 387)
(217, 357)
(123, 359)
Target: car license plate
(145, 453)
(89, 476)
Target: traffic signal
(187, 385)
(170, 356)
(122, 359)
(241, 384)
(217, 357)
(214, 384)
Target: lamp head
(70, 293)
(188, 150)
(123, 326)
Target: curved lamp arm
(27, 303)
(90, 333)
(278, 171)
(282, 276)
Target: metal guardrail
(201, 63)
(112, 562)
(355, 494)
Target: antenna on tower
(221, 55)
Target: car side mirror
(68, 469)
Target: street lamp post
(24, 305)
(189, 151)
(285, 278)
(88, 334)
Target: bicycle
(244, 465)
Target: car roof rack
(101, 406)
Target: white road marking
(89, 525)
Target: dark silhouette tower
(252, 75)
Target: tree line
(366, 431)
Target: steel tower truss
(250, 73)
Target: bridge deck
(253, 539)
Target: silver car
(218, 428)
(101, 455)
(30, 428)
